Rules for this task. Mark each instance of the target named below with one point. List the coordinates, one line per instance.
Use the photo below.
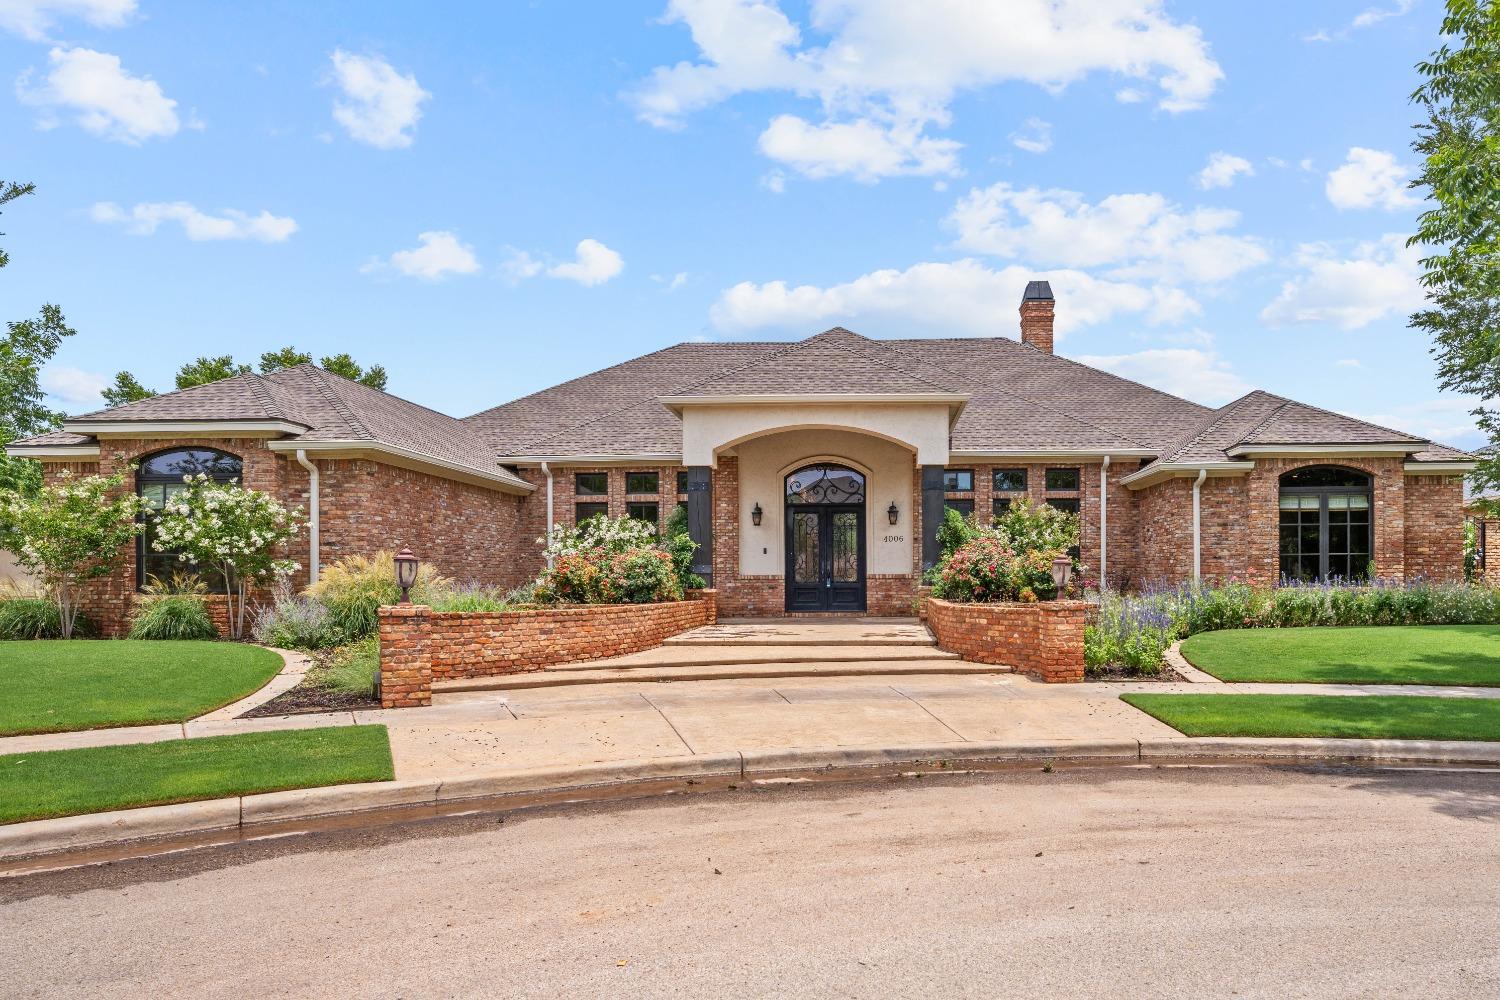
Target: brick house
(814, 472)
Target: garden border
(1043, 638)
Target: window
(1010, 480)
(1325, 530)
(958, 480)
(1068, 505)
(591, 484)
(825, 484)
(159, 478)
(1062, 479)
(641, 482)
(682, 481)
(583, 511)
(644, 512)
(1001, 505)
(964, 507)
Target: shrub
(987, 568)
(1033, 527)
(600, 533)
(297, 623)
(954, 532)
(680, 545)
(638, 576)
(354, 668)
(33, 618)
(175, 616)
(470, 597)
(353, 588)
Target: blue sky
(507, 195)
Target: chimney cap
(1037, 290)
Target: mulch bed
(308, 698)
(1114, 674)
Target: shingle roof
(330, 407)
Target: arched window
(159, 477)
(1326, 530)
(818, 484)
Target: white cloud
(593, 264)
(441, 254)
(144, 218)
(520, 265)
(1348, 363)
(1379, 279)
(380, 106)
(32, 19)
(961, 298)
(1374, 15)
(73, 386)
(774, 181)
(1369, 178)
(1222, 169)
(1193, 374)
(862, 149)
(1446, 420)
(673, 283)
(106, 100)
(1034, 137)
(1136, 234)
(896, 66)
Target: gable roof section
(835, 362)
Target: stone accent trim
(419, 645)
(1044, 639)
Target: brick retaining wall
(1044, 639)
(419, 645)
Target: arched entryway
(825, 538)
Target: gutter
(547, 470)
(312, 518)
(1198, 527)
(1104, 525)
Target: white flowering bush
(235, 530)
(610, 536)
(71, 531)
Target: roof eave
(1371, 448)
(1176, 470)
(66, 452)
(952, 399)
(161, 428)
(1017, 454)
(572, 460)
(499, 480)
(1438, 468)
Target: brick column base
(710, 599)
(1044, 639)
(405, 656)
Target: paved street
(1138, 882)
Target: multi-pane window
(591, 484)
(1062, 479)
(1068, 505)
(1325, 529)
(958, 480)
(583, 511)
(641, 482)
(1001, 505)
(159, 478)
(964, 507)
(646, 512)
(682, 481)
(1010, 480)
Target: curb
(1186, 670)
(138, 832)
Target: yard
(1408, 654)
(51, 686)
(98, 779)
(1387, 717)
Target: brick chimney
(1036, 315)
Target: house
(814, 472)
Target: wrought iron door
(825, 564)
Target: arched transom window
(1326, 530)
(161, 476)
(817, 484)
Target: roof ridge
(1200, 430)
(1409, 438)
(173, 392)
(849, 349)
(1265, 420)
(336, 401)
(263, 395)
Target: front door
(825, 558)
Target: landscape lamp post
(1062, 572)
(406, 573)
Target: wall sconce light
(892, 512)
(755, 515)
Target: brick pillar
(700, 504)
(710, 599)
(932, 514)
(405, 656)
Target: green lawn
(52, 686)
(1393, 717)
(97, 779)
(1407, 654)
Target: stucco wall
(923, 427)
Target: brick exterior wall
(1044, 639)
(1434, 527)
(1387, 513)
(464, 531)
(418, 645)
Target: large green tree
(1460, 229)
(126, 388)
(28, 344)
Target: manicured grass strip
(58, 685)
(1389, 717)
(1407, 654)
(97, 779)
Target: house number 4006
(895, 538)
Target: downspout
(1197, 528)
(1104, 525)
(312, 518)
(547, 471)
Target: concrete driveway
(1203, 882)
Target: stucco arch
(710, 431)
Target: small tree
(232, 529)
(72, 531)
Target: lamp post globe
(406, 573)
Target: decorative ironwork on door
(820, 484)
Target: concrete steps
(683, 655)
(802, 633)
(594, 674)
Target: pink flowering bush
(988, 568)
(598, 576)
